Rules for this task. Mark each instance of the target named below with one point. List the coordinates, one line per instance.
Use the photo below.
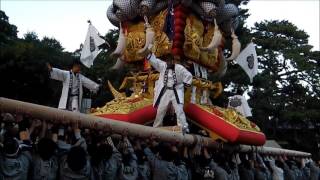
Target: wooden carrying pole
(273, 151)
(118, 127)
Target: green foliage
(52, 43)
(23, 73)
(285, 94)
(289, 70)
(7, 30)
(31, 37)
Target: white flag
(240, 104)
(91, 45)
(248, 60)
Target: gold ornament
(193, 38)
(141, 98)
(232, 117)
(162, 45)
(208, 58)
(123, 106)
(117, 95)
(135, 40)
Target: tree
(31, 37)
(288, 83)
(7, 31)
(22, 68)
(285, 96)
(52, 43)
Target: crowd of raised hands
(34, 149)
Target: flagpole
(91, 46)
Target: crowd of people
(34, 149)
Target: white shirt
(170, 82)
(75, 84)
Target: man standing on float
(71, 96)
(169, 88)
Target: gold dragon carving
(136, 38)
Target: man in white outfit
(169, 88)
(71, 96)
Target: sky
(66, 20)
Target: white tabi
(175, 80)
(72, 100)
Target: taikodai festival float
(194, 32)
(174, 47)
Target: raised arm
(116, 155)
(89, 84)
(156, 63)
(275, 168)
(80, 141)
(150, 156)
(110, 142)
(260, 161)
(130, 148)
(58, 74)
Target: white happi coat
(182, 74)
(64, 76)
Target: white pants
(167, 98)
(74, 104)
